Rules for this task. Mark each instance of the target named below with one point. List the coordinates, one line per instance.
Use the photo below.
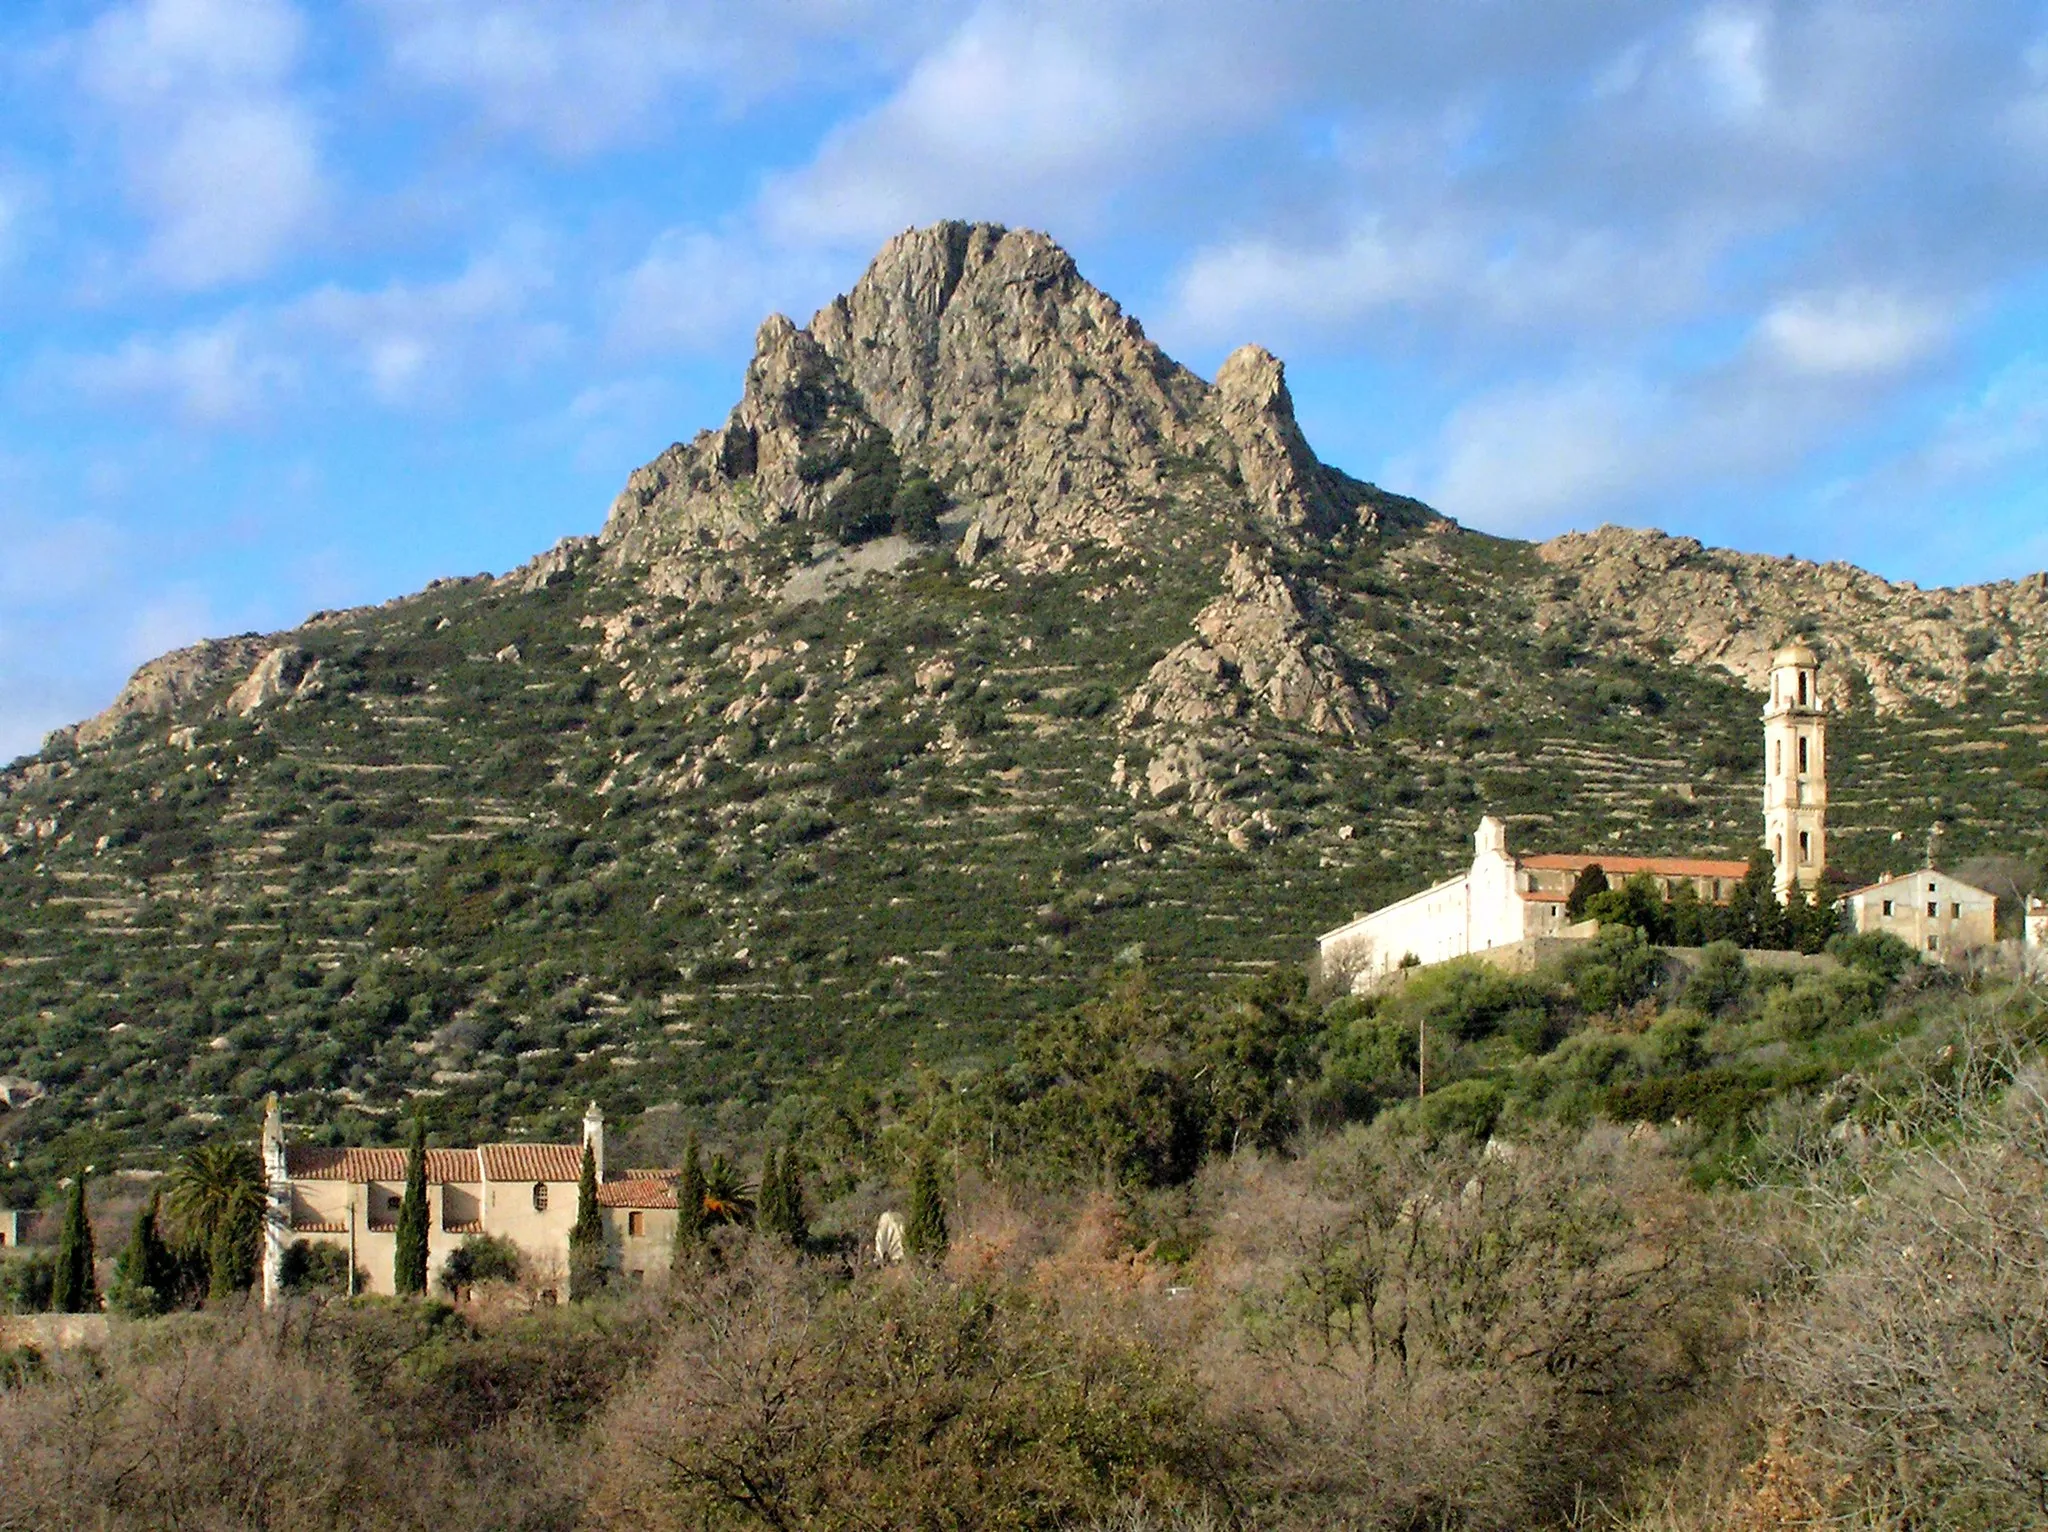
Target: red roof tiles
(1668, 866)
(637, 1194)
(499, 1162)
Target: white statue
(889, 1240)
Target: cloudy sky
(306, 303)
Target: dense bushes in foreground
(1547, 1318)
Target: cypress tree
(925, 1237)
(146, 1272)
(75, 1291)
(586, 1235)
(1591, 882)
(409, 1262)
(769, 1216)
(690, 1221)
(795, 1222)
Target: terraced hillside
(780, 789)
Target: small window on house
(1955, 912)
(540, 1196)
(1802, 757)
(1930, 888)
(391, 1202)
(1802, 688)
(1805, 846)
(1933, 909)
(1887, 909)
(1934, 944)
(634, 1224)
(1777, 757)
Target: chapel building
(525, 1193)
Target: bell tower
(1795, 768)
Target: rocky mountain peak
(983, 358)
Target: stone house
(1935, 914)
(525, 1193)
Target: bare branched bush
(903, 1401)
(1918, 1363)
(1466, 1338)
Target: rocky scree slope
(669, 818)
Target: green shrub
(1720, 981)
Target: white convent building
(1503, 899)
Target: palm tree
(216, 1199)
(727, 1196)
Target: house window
(391, 1202)
(1934, 944)
(634, 1223)
(1805, 846)
(1802, 694)
(540, 1196)
(1887, 909)
(1955, 912)
(1933, 909)
(1930, 888)
(1777, 757)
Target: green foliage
(1591, 882)
(146, 1271)
(587, 1264)
(409, 1257)
(864, 507)
(216, 1197)
(691, 1218)
(925, 1235)
(318, 1267)
(1617, 969)
(73, 1289)
(479, 1258)
(28, 1281)
(1720, 981)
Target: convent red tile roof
(1667, 866)
(636, 1194)
(499, 1162)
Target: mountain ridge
(708, 808)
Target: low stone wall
(1534, 952)
(52, 1332)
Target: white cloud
(697, 291)
(1023, 113)
(1730, 45)
(210, 375)
(221, 156)
(171, 619)
(1531, 456)
(233, 186)
(580, 78)
(406, 343)
(1855, 332)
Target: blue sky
(302, 305)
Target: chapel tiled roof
(533, 1162)
(306, 1162)
(500, 1162)
(636, 1194)
(1667, 866)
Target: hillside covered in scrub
(983, 649)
